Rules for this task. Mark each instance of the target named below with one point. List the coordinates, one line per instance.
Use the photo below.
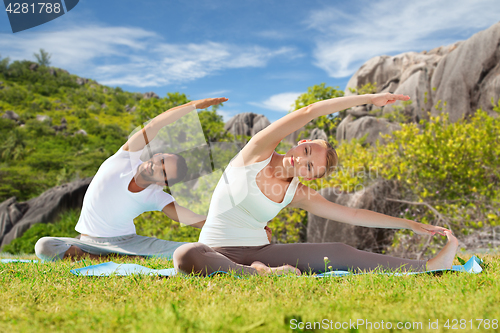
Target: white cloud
(134, 56)
(226, 115)
(281, 102)
(346, 41)
(273, 34)
(76, 47)
(217, 93)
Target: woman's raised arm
(310, 200)
(264, 142)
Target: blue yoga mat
(471, 266)
(110, 268)
(6, 261)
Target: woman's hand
(427, 229)
(269, 233)
(387, 98)
(207, 102)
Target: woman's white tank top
(239, 211)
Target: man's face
(159, 168)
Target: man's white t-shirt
(109, 208)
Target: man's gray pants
(54, 248)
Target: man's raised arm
(141, 138)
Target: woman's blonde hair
(332, 158)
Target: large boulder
(9, 114)
(17, 217)
(82, 81)
(469, 77)
(407, 73)
(150, 94)
(293, 137)
(44, 118)
(321, 230)
(464, 75)
(371, 127)
(247, 124)
(318, 134)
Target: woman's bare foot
(444, 259)
(265, 270)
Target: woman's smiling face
(307, 160)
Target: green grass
(48, 298)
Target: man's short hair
(181, 171)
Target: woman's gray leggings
(201, 259)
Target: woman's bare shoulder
(245, 158)
(304, 193)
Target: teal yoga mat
(471, 266)
(7, 261)
(111, 268)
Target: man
(123, 188)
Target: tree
(43, 58)
(315, 94)
(4, 64)
(213, 126)
(13, 147)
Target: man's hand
(388, 98)
(269, 233)
(207, 102)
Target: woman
(259, 182)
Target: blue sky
(259, 54)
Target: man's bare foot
(74, 253)
(444, 259)
(265, 270)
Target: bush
(156, 224)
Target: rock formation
(17, 217)
(465, 75)
(247, 124)
(149, 95)
(81, 81)
(11, 115)
(352, 128)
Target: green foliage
(43, 58)
(4, 64)
(369, 88)
(149, 108)
(327, 123)
(289, 226)
(213, 126)
(35, 157)
(12, 146)
(63, 227)
(156, 224)
(315, 94)
(397, 115)
(453, 167)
